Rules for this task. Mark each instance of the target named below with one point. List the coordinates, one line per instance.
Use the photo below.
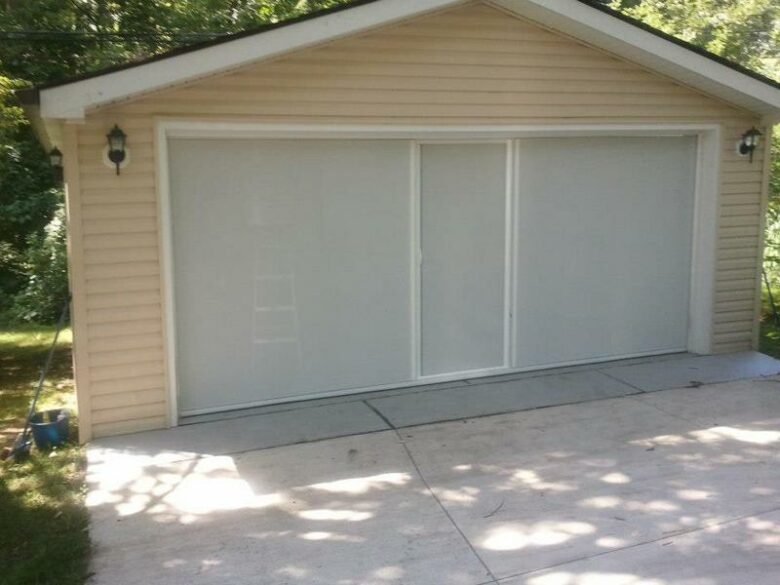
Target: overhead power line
(53, 35)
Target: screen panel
(292, 263)
(603, 247)
(463, 211)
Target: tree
(772, 245)
(55, 39)
(28, 193)
(49, 40)
(745, 31)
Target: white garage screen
(307, 267)
(292, 267)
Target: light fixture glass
(55, 157)
(750, 141)
(116, 146)
(55, 160)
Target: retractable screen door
(292, 268)
(463, 237)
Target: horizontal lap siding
(740, 242)
(471, 65)
(121, 281)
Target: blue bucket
(50, 427)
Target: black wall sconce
(749, 143)
(55, 159)
(117, 142)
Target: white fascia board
(611, 34)
(71, 100)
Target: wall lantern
(116, 146)
(750, 140)
(55, 159)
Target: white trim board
(185, 128)
(707, 193)
(570, 17)
(167, 280)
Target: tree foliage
(49, 40)
(90, 34)
(28, 193)
(772, 246)
(44, 262)
(744, 31)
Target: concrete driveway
(666, 487)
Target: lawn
(769, 343)
(43, 521)
(770, 338)
(22, 354)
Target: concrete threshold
(316, 420)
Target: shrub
(44, 266)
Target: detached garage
(398, 193)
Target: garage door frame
(706, 198)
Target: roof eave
(573, 17)
(28, 96)
(72, 100)
(48, 130)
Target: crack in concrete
(682, 532)
(494, 579)
(637, 398)
(626, 382)
(380, 414)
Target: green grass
(22, 354)
(769, 342)
(770, 338)
(43, 521)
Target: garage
(314, 267)
(393, 194)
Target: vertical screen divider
(514, 219)
(508, 254)
(416, 258)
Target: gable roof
(586, 20)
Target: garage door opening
(310, 267)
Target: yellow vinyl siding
(470, 65)
(124, 349)
(740, 227)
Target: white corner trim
(640, 46)
(705, 241)
(71, 100)
(166, 260)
